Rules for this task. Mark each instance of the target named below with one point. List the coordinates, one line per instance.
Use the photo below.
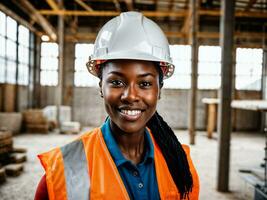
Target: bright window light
(181, 56)
(209, 67)
(11, 29)
(2, 24)
(82, 78)
(248, 68)
(49, 64)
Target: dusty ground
(246, 150)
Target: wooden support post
(194, 66)
(225, 93)
(36, 73)
(264, 76)
(61, 60)
(212, 110)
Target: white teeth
(131, 112)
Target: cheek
(152, 98)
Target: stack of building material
(11, 121)
(65, 124)
(35, 121)
(70, 127)
(11, 159)
(6, 145)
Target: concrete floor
(246, 151)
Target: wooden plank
(254, 105)
(2, 175)
(14, 169)
(5, 134)
(212, 119)
(18, 157)
(181, 13)
(117, 5)
(250, 4)
(42, 21)
(84, 5)
(19, 150)
(53, 4)
(210, 100)
(129, 4)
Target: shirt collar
(115, 151)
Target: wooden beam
(84, 5)
(171, 5)
(41, 20)
(250, 4)
(179, 35)
(187, 22)
(181, 13)
(53, 4)
(21, 21)
(238, 34)
(194, 70)
(249, 14)
(129, 4)
(117, 5)
(225, 93)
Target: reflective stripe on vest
(76, 171)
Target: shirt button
(140, 185)
(135, 173)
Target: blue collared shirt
(140, 180)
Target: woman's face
(130, 90)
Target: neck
(132, 145)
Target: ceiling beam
(187, 22)
(250, 4)
(181, 13)
(117, 5)
(129, 4)
(41, 20)
(53, 4)
(238, 35)
(202, 35)
(84, 5)
(20, 20)
(249, 14)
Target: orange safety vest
(84, 169)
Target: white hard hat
(131, 36)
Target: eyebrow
(139, 75)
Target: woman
(135, 154)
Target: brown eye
(145, 84)
(117, 83)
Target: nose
(130, 94)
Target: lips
(130, 114)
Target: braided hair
(172, 150)
(170, 147)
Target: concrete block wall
(88, 108)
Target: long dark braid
(173, 153)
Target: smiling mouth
(130, 115)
